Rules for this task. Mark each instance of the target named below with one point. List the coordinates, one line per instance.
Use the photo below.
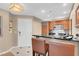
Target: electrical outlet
(17, 52)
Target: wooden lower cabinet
(60, 49)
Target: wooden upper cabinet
(65, 23)
(51, 25)
(77, 15)
(45, 28)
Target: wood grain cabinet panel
(51, 25)
(47, 26)
(77, 15)
(66, 24)
(60, 49)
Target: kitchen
(62, 31)
(48, 30)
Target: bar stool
(61, 49)
(39, 46)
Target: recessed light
(48, 15)
(43, 11)
(64, 4)
(65, 12)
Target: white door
(24, 32)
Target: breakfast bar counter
(49, 40)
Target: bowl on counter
(69, 37)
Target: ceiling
(44, 11)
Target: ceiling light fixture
(16, 7)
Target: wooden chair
(61, 49)
(39, 46)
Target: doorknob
(19, 33)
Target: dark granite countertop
(44, 36)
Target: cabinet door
(70, 25)
(51, 25)
(66, 24)
(61, 49)
(45, 28)
(77, 16)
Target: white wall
(36, 26)
(13, 35)
(5, 38)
